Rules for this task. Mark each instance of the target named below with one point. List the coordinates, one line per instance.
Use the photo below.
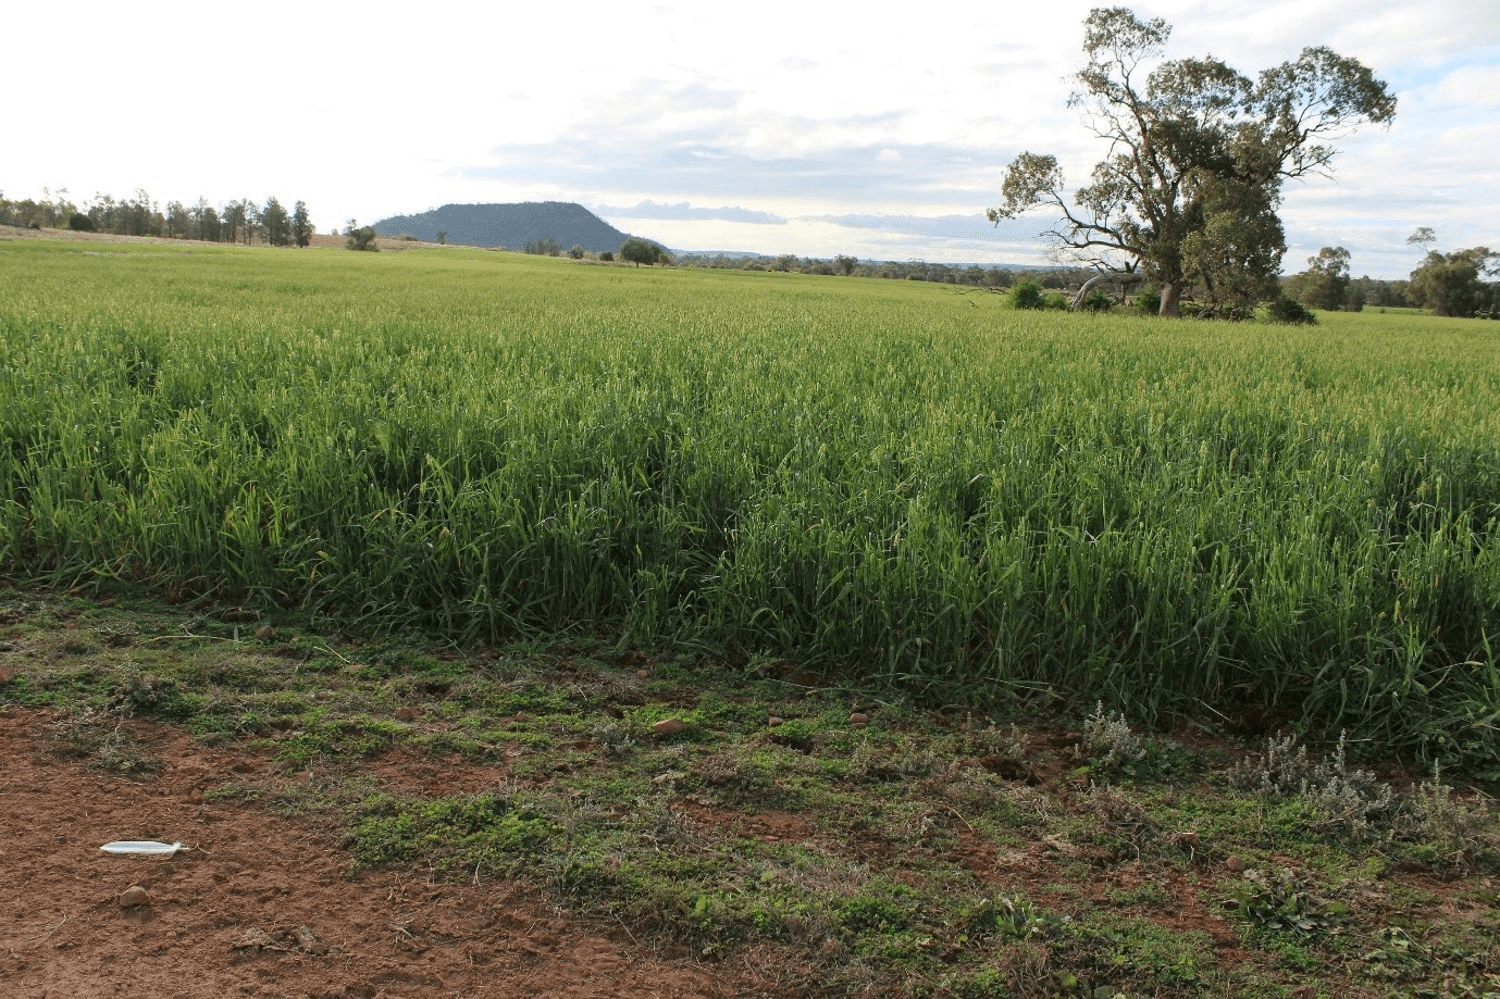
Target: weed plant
(1341, 798)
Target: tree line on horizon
(241, 221)
(1327, 284)
(1450, 284)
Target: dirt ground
(261, 906)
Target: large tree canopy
(1451, 284)
(1325, 283)
(1197, 155)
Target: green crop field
(894, 480)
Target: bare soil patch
(388, 816)
(261, 905)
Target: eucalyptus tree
(640, 251)
(1197, 154)
(1452, 284)
(1325, 283)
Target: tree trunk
(1082, 292)
(1171, 295)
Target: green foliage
(1282, 902)
(577, 252)
(301, 226)
(238, 221)
(1325, 284)
(1289, 312)
(1025, 294)
(607, 256)
(1148, 300)
(548, 247)
(1198, 154)
(275, 223)
(484, 829)
(1097, 301)
(641, 251)
(358, 237)
(1450, 283)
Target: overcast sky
(879, 130)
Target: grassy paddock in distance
(895, 479)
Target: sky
(808, 127)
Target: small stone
(669, 726)
(1234, 864)
(406, 714)
(773, 721)
(135, 895)
(264, 632)
(859, 719)
(643, 673)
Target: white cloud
(370, 109)
(649, 209)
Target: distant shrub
(642, 251)
(1097, 301)
(361, 238)
(1288, 311)
(1148, 300)
(548, 247)
(1025, 294)
(80, 222)
(576, 252)
(409, 237)
(607, 256)
(1055, 300)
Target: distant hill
(510, 226)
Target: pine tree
(302, 230)
(275, 223)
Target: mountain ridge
(510, 225)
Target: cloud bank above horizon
(800, 129)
